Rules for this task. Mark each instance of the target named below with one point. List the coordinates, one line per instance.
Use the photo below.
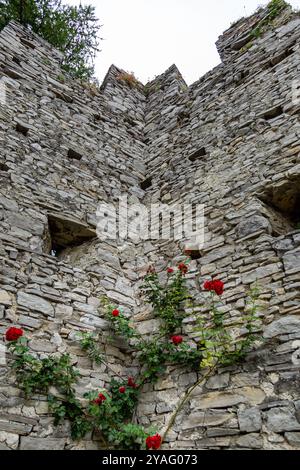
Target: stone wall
(231, 142)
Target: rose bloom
(115, 313)
(216, 286)
(13, 334)
(177, 340)
(101, 398)
(153, 442)
(131, 383)
(183, 268)
(122, 389)
(170, 270)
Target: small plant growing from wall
(110, 410)
(128, 78)
(274, 9)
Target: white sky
(147, 36)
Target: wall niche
(283, 203)
(66, 234)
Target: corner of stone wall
(240, 33)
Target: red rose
(13, 334)
(177, 340)
(101, 398)
(122, 389)
(170, 270)
(115, 313)
(216, 286)
(153, 442)
(183, 268)
(131, 383)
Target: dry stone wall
(231, 142)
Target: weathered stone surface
(250, 420)
(285, 325)
(201, 419)
(42, 346)
(5, 298)
(281, 420)
(67, 147)
(218, 381)
(36, 443)
(291, 260)
(251, 441)
(293, 438)
(15, 428)
(253, 224)
(250, 395)
(35, 303)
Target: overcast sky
(147, 36)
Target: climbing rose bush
(153, 442)
(112, 410)
(13, 334)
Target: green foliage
(70, 409)
(168, 299)
(217, 342)
(89, 345)
(157, 351)
(155, 355)
(112, 417)
(71, 29)
(120, 324)
(274, 8)
(129, 437)
(40, 374)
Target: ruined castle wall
(242, 122)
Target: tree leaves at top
(71, 29)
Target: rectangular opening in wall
(16, 60)
(194, 254)
(66, 232)
(146, 184)
(284, 201)
(3, 167)
(183, 118)
(273, 113)
(280, 57)
(198, 154)
(28, 43)
(74, 155)
(22, 128)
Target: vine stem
(185, 399)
